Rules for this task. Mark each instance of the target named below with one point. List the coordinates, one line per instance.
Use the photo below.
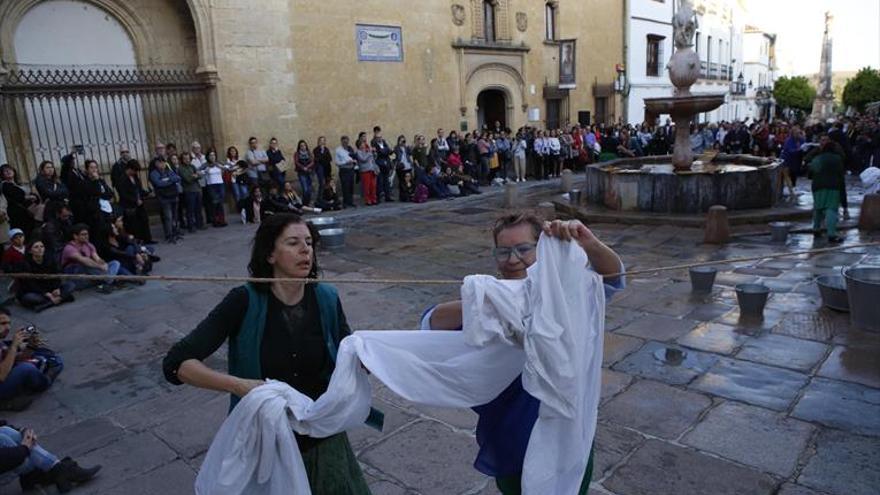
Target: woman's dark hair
(88, 162)
(133, 165)
(209, 151)
(10, 167)
(229, 152)
(43, 166)
(264, 244)
(300, 143)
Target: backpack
(421, 194)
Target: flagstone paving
(695, 398)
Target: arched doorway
(121, 87)
(491, 108)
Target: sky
(799, 24)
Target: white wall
(654, 18)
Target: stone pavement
(788, 405)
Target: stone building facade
(292, 69)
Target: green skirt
(511, 485)
(333, 469)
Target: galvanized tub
(833, 291)
(332, 238)
(322, 223)
(863, 293)
(702, 278)
(779, 231)
(574, 197)
(752, 298)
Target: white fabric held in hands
(548, 327)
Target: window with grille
(654, 56)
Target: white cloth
(871, 180)
(539, 327)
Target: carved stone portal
(522, 21)
(458, 14)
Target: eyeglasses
(502, 254)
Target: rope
(226, 279)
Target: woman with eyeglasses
(506, 423)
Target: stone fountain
(678, 184)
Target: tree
(862, 89)
(794, 92)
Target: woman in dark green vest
(285, 331)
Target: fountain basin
(683, 105)
(652, 184)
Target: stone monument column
(823, 105)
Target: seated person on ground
(329, 197)
(81, 257)
(39, 294)
(22, 457)
(115, 245)
(26, 367)
(13, 256)
(56, 230)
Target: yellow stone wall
(289, 68)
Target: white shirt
(214, 174)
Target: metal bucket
(574, 197)
(863, 293)
(322, 223)
(779, 231)
(752, 298)
(702, 278)
(332, 238)
(833, 291)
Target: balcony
(715, 72)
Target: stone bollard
(717, 226)
(869, 218)
(511, 195)
(567, 181)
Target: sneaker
(835, 239)
(105, 288)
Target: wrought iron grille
(46, 113)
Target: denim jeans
(38, 459)
(319, 172)
(193, 210)
(239, 191)
(279, 178)
(23, 378)
(113, 268)
(305, 182)
(169, 216)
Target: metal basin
(702, 278)
(322, 223)
(833, 291)
(332, 238)
(779, 231)
(574, 197)
(752, 298)
(863, 293)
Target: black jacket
(130, 192)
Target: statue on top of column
(684, 25)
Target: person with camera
(22, 457)
(26, 366)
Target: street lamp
(738, 87)
(620, 81)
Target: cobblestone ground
(789, 405)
